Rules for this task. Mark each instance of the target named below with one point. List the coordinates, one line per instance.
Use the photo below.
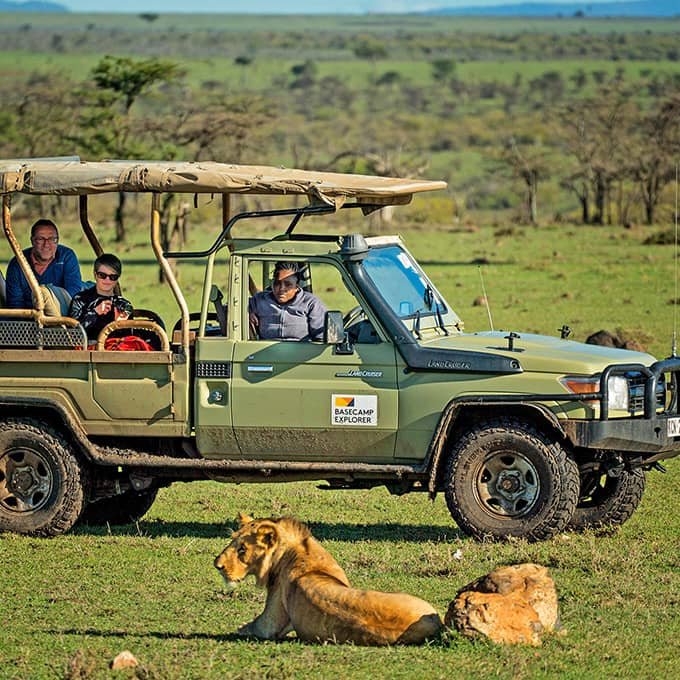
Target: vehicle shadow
(323, 531)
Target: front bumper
(646, 437)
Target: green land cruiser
(526, 435)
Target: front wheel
(506, 478)
(607, 499)
(41, 480)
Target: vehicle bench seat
(20, 333)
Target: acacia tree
(653, 152)
(109, 127)
(529, 164)
(217, 127)
(38, 117)
(594, 132)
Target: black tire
(42, 484)
(123, 509)
(505, 479)
(607, 500)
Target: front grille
(636, 392)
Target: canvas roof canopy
(71, 176)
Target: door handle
(260, 369)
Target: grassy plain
(73, 603)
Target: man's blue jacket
(63, 271)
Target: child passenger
(99, 305)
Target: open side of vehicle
(525, 435)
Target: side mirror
(333, 328)
(334, 333)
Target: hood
(541, 353)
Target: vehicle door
(299, 400)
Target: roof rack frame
(297, 213)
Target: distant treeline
(578, 139)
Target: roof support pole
(167, 269)
(36, 314)
(87, 227)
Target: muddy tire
(42, 483)
(607, 500)
(505, 479)
(124, 509)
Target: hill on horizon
(633, 8)
(627, 8)
(32, 6)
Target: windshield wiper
(416, 324)
(431, 299)
(440, 318)
(428, 296)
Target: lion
(309, 593)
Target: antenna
(486, 299)
(674, 344)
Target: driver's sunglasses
(45, 240)
(104, 275)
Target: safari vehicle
(525, 435)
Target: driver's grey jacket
(300, 319)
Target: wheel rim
(507, 484)
(26, 480)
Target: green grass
(353, 73)
(72, 603)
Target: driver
(99, 305)
(286, 312)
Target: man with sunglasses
(286, 312)
(51, 263)
(99, 305)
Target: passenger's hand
(104, 307)
(120, 314)
(254, 321)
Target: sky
(272, 6)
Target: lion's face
(249, 551)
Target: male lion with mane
(308, 592)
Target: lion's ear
(243, 519)
(267, 536)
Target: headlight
(617, 387)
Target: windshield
(403, 284)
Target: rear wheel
(506, 478)
(42, 484)
(607, 499)
(123, 509)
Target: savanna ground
(71, 604)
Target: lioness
(308, 592)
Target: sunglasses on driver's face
(104, 275)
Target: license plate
(673, 427)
